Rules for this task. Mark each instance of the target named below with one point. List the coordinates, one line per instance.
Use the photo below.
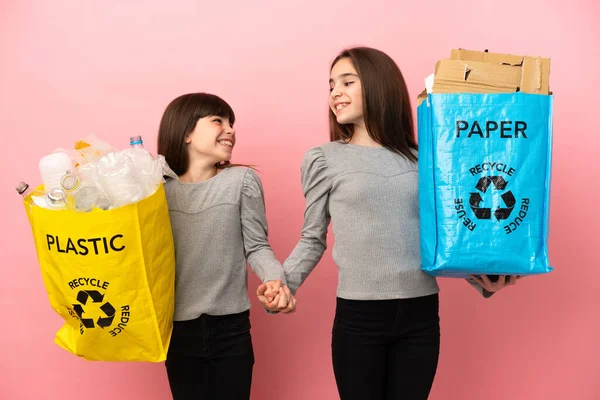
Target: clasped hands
(276, 297)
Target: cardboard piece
(483, 72)
(454, 76)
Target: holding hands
(275, 296)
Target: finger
(272, 289)
(288, 293)
(283, 304)
(260, 291)
(512, 280)
(277, 285)
(263, 301)
(502, 281)
(275, 301)
(283, 299)
(263, 297)
(274, 304)
(476, 279)
(487, 282)
(291, 307)
(270, 294)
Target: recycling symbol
(109, 311)
(486, 213)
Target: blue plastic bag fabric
(484, 183)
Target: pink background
(71, 68)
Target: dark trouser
(386, 349)
(211, 357)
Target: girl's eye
(348, 83)
(218, 121)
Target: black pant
(211, 357)
(386, 349)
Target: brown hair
(179, 120)
(386, 102)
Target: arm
(316, 186)
(258, 252)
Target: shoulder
(170, 185)
(249, 179)
(236, 171)
(316, 156)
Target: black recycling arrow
(105, 322)
(475, 199)
(483, 184)
(510, 201)
(83, 296)
(78, 310)
(87, 322)
(109, 311)
(480, 212)
(497, 181)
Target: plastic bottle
(136, 142)
(56, 199)
(52, 168)
(145, 164)
(83, 195)
(32, 196)
(80, 196)
(23, 189)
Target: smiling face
(212, 140)
(346, 100)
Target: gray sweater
(217, 225)
(371, 195)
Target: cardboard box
(483, 72)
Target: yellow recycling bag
(111, 276)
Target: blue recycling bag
(484, 183)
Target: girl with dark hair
(217, 214)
